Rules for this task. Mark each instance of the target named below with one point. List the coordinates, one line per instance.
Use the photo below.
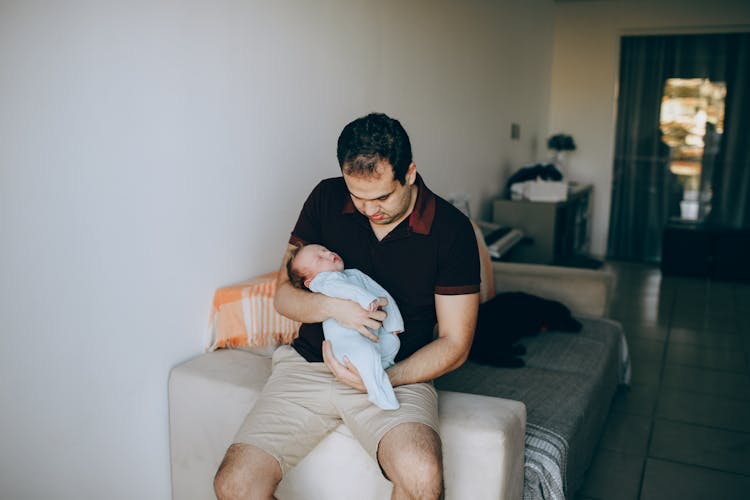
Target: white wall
(151, 151)
(585, 74)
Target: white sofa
(483, 437)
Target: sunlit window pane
(691, 122)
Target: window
(692, 122)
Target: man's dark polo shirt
(433, 251)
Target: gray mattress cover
(567, 385)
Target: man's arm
(457, 317)
(307, 307)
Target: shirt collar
(420, 219)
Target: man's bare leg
(246, 473)
(411, 457)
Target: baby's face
(314, 259)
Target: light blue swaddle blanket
(370, 358)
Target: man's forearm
(440, 356)
(457, 317)
(302, 305)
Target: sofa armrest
(488, 433)
(584, 291)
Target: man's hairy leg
(246, 473)
(411, 457)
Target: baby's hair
(295, 277)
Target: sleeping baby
(318, 269)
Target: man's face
(314, 259)
(380, 197)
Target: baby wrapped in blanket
(320, 270)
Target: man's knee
(225, 486)
(411, 456)
(246, 472)
(426, 478)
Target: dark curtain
(730, 179)
(644, 192)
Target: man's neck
(382, 230)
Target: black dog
(507, 317)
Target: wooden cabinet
(555, 232)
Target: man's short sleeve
(307, 228)
(458, 265)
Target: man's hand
(349, 314)
(346, 373)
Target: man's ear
(411, 174)
(307, 282)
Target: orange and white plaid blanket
(243, 316)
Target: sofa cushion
(567, 385)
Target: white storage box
(540, 190)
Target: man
(380, 218)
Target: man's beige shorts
(302, 402)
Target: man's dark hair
(373, 138)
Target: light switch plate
(515, 131)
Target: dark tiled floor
(682, 431)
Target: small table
(704, 250)
(558, 231)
